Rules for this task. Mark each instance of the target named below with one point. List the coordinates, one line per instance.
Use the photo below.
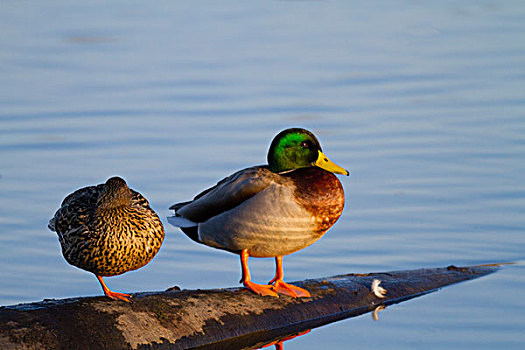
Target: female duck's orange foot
(113, 295)
(260, 289)
(118, 296)
(289, 289)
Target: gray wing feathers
(227, 194)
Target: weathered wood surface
(212, 319)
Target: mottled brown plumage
(107, 229)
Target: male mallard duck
(270, 210)
(108, 229)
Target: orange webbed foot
(282, 287)
(119, 296)
(260, 289)
(113, 295)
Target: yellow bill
(324, 163)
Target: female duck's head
(116, 194)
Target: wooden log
(211, 319)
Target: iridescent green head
(298, 148)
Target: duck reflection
(279, 343)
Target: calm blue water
(424, 103)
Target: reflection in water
(279, 343)
(375, 313)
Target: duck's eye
(304, 144)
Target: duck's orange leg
(260, 289)
(113, 295)
(284, 288)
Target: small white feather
(377, 289)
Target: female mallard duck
(271, 210)
(108, 229)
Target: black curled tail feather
(177, 206)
